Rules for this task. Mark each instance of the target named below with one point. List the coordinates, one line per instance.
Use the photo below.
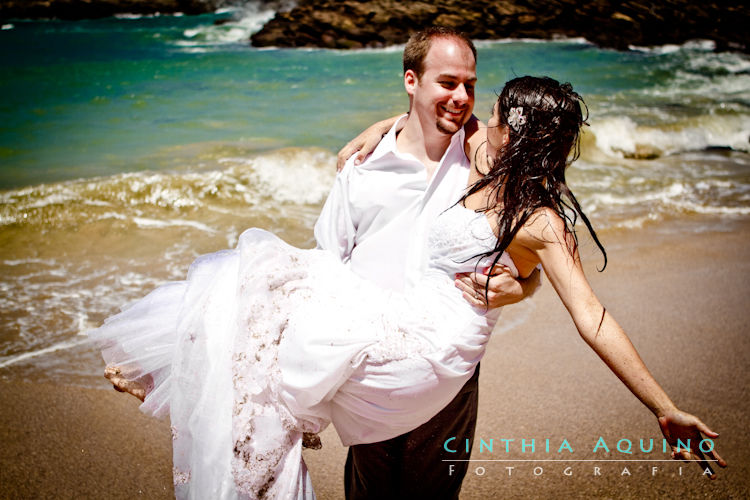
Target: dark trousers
(410, 466)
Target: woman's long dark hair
(529, 171)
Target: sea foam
(245, 20)
(622, 136)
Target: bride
(267, 342)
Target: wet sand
(684, 301)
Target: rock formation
(375, 23)
(93, 9)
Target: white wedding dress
(267, 341)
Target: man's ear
(410, 81)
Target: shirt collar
(388, 143)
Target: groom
(376, 218)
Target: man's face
(444, 95)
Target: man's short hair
(419, 43)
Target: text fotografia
(595, 471)
(548, 450)
(623, 446)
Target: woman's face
(497, 135)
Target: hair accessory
(516, 118)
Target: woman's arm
(365, 143)
(543, 238)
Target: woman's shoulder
(543, 226)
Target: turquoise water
(91, 98)
(129, 146)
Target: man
(376, 219)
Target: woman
(266, 342)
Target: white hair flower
(516, 118)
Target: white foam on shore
(45, 304)
(246, 20)
(556, 40)
(665, 194)
(677, 198)
(154, 223)
(521, 312)
(21, 262)
(669, 48)
(388, 49)
(621, 136)
(131, 17)
(701, 80)
(66, 344)
(300, 176)
(273, 180)
(721, 63)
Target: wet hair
(419, 44)
(529, 171)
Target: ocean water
(131, 145)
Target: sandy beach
(682, 299)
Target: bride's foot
(121, 384)
(311, 440)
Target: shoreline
(682, 298)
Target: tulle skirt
(264, 342)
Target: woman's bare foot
(121, 384)
(311, 440)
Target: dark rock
(93, 9)
(376, 23)
(613, 24)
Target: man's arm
(365, 143)
(503, 288)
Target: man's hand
(678, 425)
(504, 289)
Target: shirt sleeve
(335, 230)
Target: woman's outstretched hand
(689, 430)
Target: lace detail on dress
(457, 236)
(263, 430)
(397, 344)
(179, 477)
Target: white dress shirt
(377, 213)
